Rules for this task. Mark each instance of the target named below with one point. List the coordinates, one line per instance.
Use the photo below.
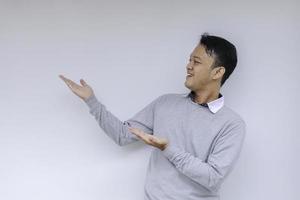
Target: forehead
(199, 52)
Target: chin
(187, 85)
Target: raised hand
(83, 91)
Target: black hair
(223, 51)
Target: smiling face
(199, 67)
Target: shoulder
(232, 124)
(168, 99)
(171, 97)
(232, 116)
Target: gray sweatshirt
(204, 144)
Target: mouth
(189, 75)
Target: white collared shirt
(213, 106)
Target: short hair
(223, 51)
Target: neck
(206, 95)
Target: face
(199, 67)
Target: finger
(143, 136)
(140, 137)
(155, 141)
(138, 133)
(132, 130)
(63, 78)
(135, 132)
(69, 82)
(148, 140)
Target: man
(197, 138)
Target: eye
(190, 60)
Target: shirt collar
(214, 106)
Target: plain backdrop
(131, 52)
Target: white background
(131, 52)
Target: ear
(218, 72)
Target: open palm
(83, 91)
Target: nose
(189, 65)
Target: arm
(118, 130)
(220, 162)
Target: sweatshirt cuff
(170, 151)
(91, 101)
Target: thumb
(83, 83)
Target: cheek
(202, 76)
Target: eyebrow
(196, 57)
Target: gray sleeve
(115, 128)
(220, 162)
